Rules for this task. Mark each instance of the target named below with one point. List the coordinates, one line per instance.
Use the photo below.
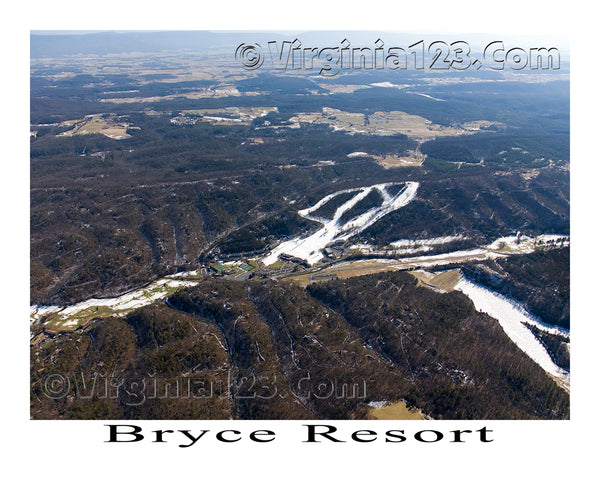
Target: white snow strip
(378, 403)
(427, 241)
(512, 317)
(387, 198)
(446, 258)
(358, 154)
(388, 85)
(428, 96)
(221, 119)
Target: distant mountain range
(52, 44)
(102, 43)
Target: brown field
(337, 119)
(354, 269)
(443, 281)
(388, 123)
(396, 411)
(98, 123)
(414, 126)
(363, 269)
(414, 159)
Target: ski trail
(512, 318)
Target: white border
(74, 449)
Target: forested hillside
(271, 350)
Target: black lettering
(254, 436)
(221, 438)
(395, 434)
(312, 433)
(457, 434)
(191, 437)
(438, 436)
(159, 435)
(482, 435)
(356, 436)
(113, 429)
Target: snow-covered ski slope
(310, 248)
(512, 318)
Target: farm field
(104, 124)
(387, 123)
(397, 411)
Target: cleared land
(396, 411)
(71, 317)
(229, 115)
(414, 159)
(366, 267)
(336, 88)
(194, 95)
(441, 282)
(346, 270)
(386, 123)
(106, 124)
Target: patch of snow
(388, 85)
(38, 311)
(221, 119)
(358, 154)
(363, 247)
(378, 403)
(190, 273)
(71, 323)
(428, 96)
